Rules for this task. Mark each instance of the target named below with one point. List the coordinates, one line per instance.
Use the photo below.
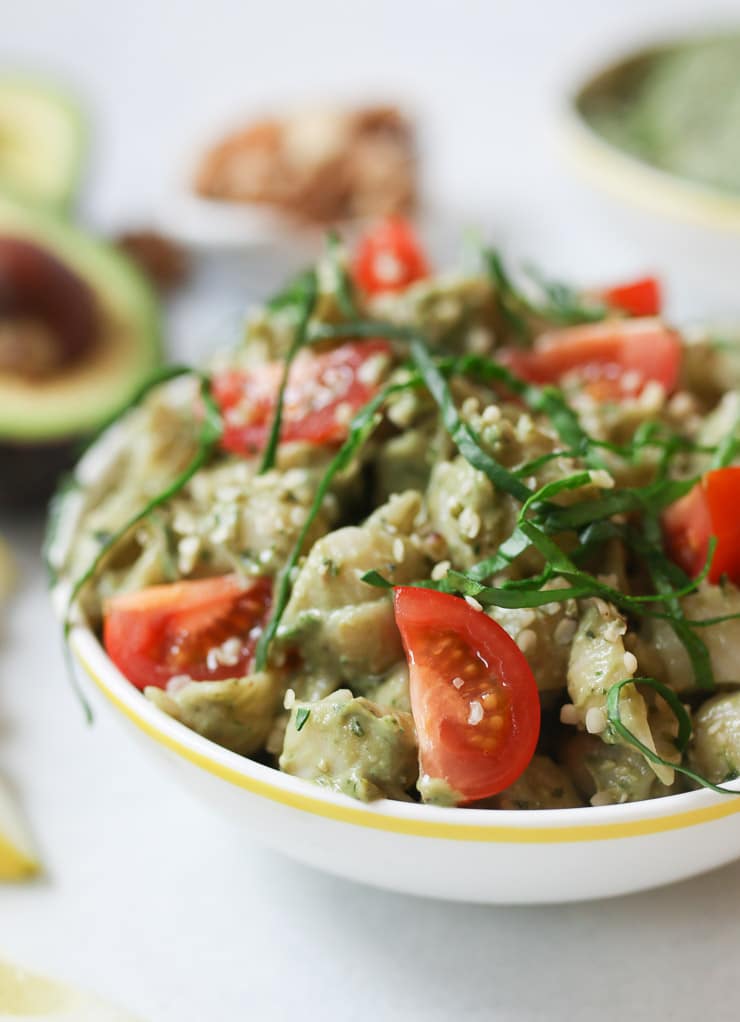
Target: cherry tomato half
(613, 360)
(710, 509)
(389, 258)
(473, 695)
(323, 393)
(641, 297)
(186, 628)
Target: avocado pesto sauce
(677, 108)
(427, 438)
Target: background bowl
(689, 229)
(475, 855)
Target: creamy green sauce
(677, 108)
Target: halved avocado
(42, 143)
(95, 361)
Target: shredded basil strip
(460, 432)
(209, 434)
(665, 574)
(613, 714)
(728, 448)
(343, 284)
(558, 304)
(307, 304)
(565, 304)
(301, 716)
(293, 295)
(653, 498)
(360, 429)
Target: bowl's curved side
(526, 858)
(550, 855)
(629, 178)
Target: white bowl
(474, 855)
(689, 230)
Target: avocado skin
(29, 472)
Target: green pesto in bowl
(675, 107)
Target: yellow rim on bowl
(628, 177)
(654, 817)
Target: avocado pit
(48, 315)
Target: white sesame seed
(289, 700)
(565, 630)
(653, 395)
(401, 412)
(187, 552)
(595, 720)
(399, 550)
(475, 716)
(183, 522)
(440, 569)
(630, 662)
(469, 522)
(343, 413)
(230, 651)
(526, 640)
(491, 414)
(550, 609)
(681, 404)
(387, 268)
(458, 682)
(630, 380)
(526, 618)
(265, 557)
(524, 426)
(569, 714)
(372, 369)
(472, 602)
(178, 682)
(479, 340)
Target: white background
(145, 898)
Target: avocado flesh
(83, 395)
(42, 142)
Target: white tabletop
(146, 898)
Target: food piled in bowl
(465, 539)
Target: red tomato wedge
(323, 393)
(473, 694)
(613, 360)
(181, 628)
(710, 509)
(389, 258)
(641, 297)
